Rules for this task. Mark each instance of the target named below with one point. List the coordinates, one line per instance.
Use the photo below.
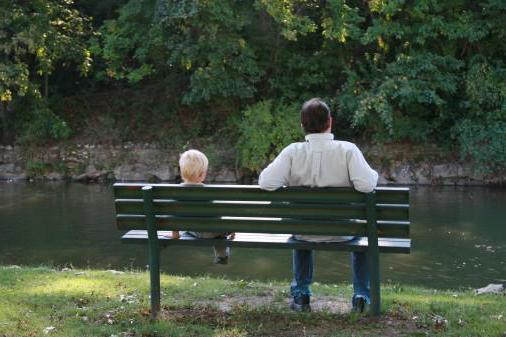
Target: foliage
(406, 99)
(485, 143)
(482, 134)
(201, 41)
(40, 125)
(265, 129)
(132, 44)
(37, 37)
(400, 71)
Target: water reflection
(459, 238)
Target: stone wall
(147, 162)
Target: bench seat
(262, 240)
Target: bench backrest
(247, 208)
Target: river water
(459, 238)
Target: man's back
(319, 162)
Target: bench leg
(153, 250)
(374, 275)
(373, 252)
(154, 274)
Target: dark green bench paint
(263, 219)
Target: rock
(13, 177)
(54, 176)
(421, 175)
(398, 174)
(142, 172)
(91, 168)
(492, 288)
(11, 172)
(7, 168)
(445, 174)
(439, 322)
(224, 176)
(130, 172)
(382, 179)
(13, 266)
(162, 173)
(49, 329)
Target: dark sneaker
(221, 259)
(358, 304)
(301, 304)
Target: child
(193, 166)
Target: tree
(35, 38)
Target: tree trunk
(46, 86)
(3, 120)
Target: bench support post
(373, 255)
(153, 250)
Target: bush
(484, 143)
(41, 125)
(482, 134)
(265, 129)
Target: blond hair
(193, 165)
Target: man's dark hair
(314, 116)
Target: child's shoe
(221, 259)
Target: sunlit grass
(105, 303)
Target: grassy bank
(43, 301)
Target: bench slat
(265, 225)
(397, 195)
(259, 240)
(263, 209)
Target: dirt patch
(268, 315)
(329, 304)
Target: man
(321, 161)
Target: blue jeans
(303, 261)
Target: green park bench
(263, 219)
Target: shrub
(484, 143)
(41, 125)
(265, 129)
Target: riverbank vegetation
(67, 302)
(413, 72)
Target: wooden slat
(257, 225)
(256, 240)
(254, 193)
(265, 225)
(265, 209)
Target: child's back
(193, 166)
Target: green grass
(102, 303)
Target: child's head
(193, 166)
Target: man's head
(193, 166)
(315, 116)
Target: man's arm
(276, 174)
(363, 177)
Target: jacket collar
(319, 136)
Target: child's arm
(231, 236)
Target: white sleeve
(277, 173)
(363, 177)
